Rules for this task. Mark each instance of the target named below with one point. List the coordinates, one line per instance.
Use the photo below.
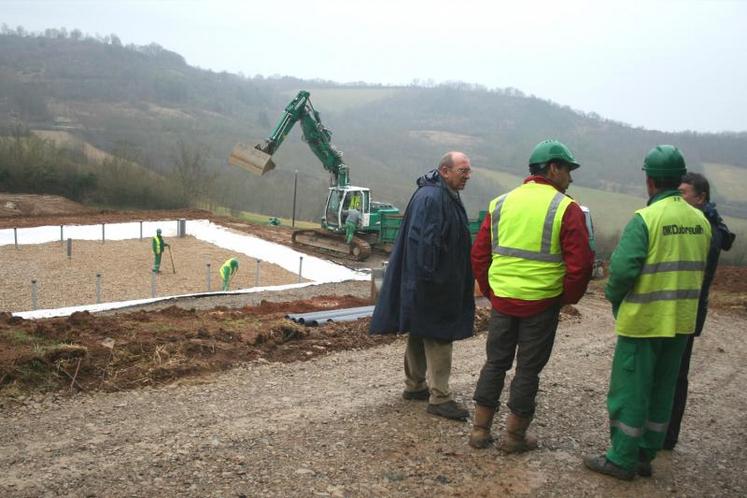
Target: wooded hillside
(148, 109)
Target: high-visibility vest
(525, 235)
(226, 270)
(664, 298)
(157, 245)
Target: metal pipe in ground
(256, 277)
(98, 288)
(103, 232)
(15, 236)
(300, 268)
(69, 248)
(33, 294)
(207, 276)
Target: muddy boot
(514, 438)
(480, 436)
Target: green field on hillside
(726, 180)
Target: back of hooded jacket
(428, 289)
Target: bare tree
(192, 173)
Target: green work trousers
(429, 357)
(156, 262)
(644, 375)
(350, 231)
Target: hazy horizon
(662, 65)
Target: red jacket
(577, 256)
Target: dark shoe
(421, 395)
(644, 468)
(450, 409)
(669, 445)
(603, 466)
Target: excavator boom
(258, 159)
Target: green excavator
(342, 197)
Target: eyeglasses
(462, 171)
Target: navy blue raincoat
(721, 239)
(428, 289)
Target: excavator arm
(258, 159)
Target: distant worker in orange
(158, 245)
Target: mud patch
(130, 350)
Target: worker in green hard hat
(228, 270)
(158, 245)
(530, 257)
(656, 276)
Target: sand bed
(125, 268)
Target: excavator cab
(342, 199)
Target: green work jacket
(656, 271)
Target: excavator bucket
(251, 159)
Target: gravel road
(337, 426)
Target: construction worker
(352, 219)
(228, 270)
(656, 273)
(428, 288)
(158, 245)
(696, 190)
(530, 257)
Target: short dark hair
(542, 169)
(699, 183)
(668, 182)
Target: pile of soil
(130, 350)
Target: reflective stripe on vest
(544, 253)
(527, 260)
(664, 299)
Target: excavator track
(332, 243)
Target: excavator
(341, 197)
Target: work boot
(603, 466)
(644, 465)
(450, 409)
(480, 437)
(515, 438)
(421, 395)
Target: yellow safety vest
(664, 298)
(525, 234)
(226, 270)
(157, 245)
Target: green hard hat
(664, 161)
(234, 263)
(158, 231)
(549, 150)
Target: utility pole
(295, 186)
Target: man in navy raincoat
(428, 289)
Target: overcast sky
(662, 64)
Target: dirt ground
(223, 396)
(125, 269)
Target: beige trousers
(432, 357)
